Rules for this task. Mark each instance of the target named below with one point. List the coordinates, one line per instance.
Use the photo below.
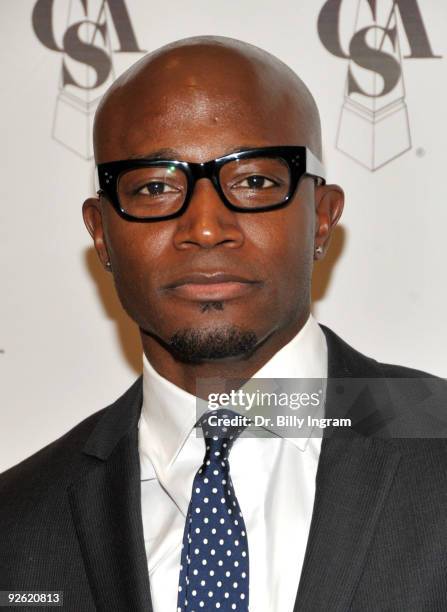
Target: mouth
(212, 286)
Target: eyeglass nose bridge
(205, 170)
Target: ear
(91, 211)
(329, 202)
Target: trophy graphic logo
(92, 27)
(374, 124)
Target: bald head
(203, 86)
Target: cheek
(283, 240)
(133, 245)
(283, 243)
(138, 255)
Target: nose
(207, 222)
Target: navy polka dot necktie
(214, 563)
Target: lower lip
(213, 291)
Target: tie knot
(220, 428)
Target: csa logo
(374, 125)
(89, 30)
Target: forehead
(200, 108)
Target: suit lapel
(354, 477)
(355, 474)
(106, 510)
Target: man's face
(164, 270)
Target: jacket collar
(118, 420)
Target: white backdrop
(66, 347)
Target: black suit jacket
(70, 515)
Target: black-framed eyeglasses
(252, 180)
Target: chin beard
(196, 345)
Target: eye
(256, 181)
(156, 188)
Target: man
(213, 261)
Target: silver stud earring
(318, 250)
(108, 264)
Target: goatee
(196, 345)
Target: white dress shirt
(273, 478)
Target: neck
(209, 375)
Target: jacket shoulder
(62, 459)
(53, 458)
(349, 361)
(391, 370)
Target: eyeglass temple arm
(315, 167)
(96, 179)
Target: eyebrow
(173, 154)
(159, 154)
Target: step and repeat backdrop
(377, 69)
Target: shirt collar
(169, 413)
